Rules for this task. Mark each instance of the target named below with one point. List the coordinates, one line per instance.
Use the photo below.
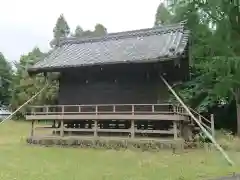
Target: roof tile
(133, 46)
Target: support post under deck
(175, 130)
(62, 129)
(132, 129)
(32, 129)
(95, 128)
(212, 125)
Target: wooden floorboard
(174, 117)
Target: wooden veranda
(151, 122)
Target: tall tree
(100, 30)
(5, 80)
(24, 87)
(216, 56)
(163, 15)
(61, 30)
(78, 32)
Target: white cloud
(28, 23)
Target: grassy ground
(19, 161)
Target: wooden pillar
(95, 128)
(180, 128)
(175, 130)
(132, 129)
(32, 128)
(187, 131)
(62, 129)
(212, 125)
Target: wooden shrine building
(110, 86)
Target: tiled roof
(153, 44)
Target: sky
(25, 24)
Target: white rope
(199, 124)
(10, 116)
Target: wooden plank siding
(113, 84)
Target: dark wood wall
(112, 84)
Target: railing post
(182, 110)
(96, 109)
(174, 109)
(132, 109)
(63, 109)
(153, 108)
(46, 110)
(212, 125)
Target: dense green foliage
(25, 87)
(5, 80)
(215, 50)
(18, 86)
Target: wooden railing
(106, 109)
(208, 124)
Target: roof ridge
(126, 34)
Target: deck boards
(174, 117)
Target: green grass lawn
(19, 161)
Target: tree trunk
(237, 99)
(238, 118)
